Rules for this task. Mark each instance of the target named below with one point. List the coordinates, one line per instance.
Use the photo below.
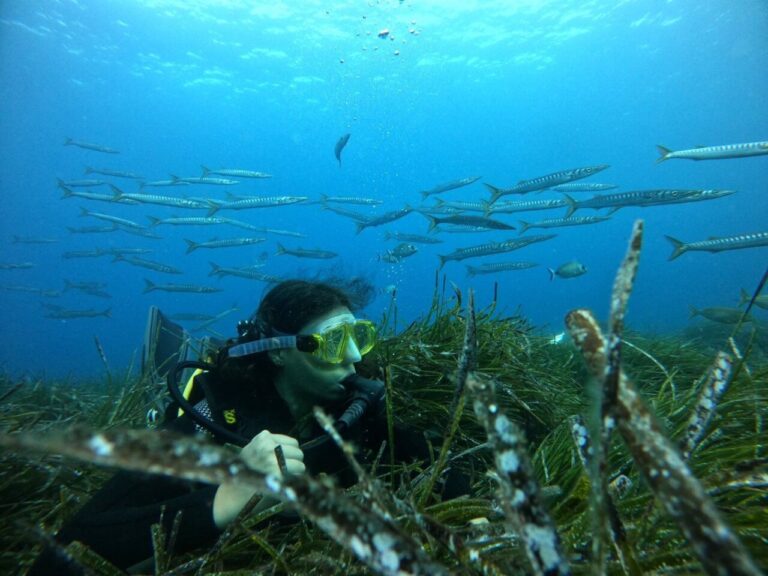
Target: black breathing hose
(365, 393)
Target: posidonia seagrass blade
(712, 389)
(373, 539)
(719, 550)
(520, 492)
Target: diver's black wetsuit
(116, 522)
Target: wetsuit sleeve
(116, 522)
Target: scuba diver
(296, 352)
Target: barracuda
(492, 248)
(719, 244)
(714, 152)
(189, 288)
(236, 172)
(228, 243)
(525, 206)
(120, 196)
(561, 222)
(492, 268)
(643, 198)
(544, 182)
(148, 264)
(254, 202)
(453, 185)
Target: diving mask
(329, 345)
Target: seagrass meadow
(612, 452)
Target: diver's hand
(258, 455)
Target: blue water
(506, 90)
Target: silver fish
(251, 273)
(560, 222)
(584, 187)
(494, 267)
(68, 314)
(32, 290)
(719, 244)
(465, 206)
(340, 146)
(16, 265)
(356, 216)
(227, 243)
(254, 202)
(79, 183)
(453, 185)
(189, 288)
(720, 314)
(492, 248)
(33, 240)
(113, 219)
(714, 152)
(525, 206)
(96, 253)
(148, 264)
(417, 238)
(761, 300)
(568, 270)
(90, 146)
(187, 221)
(324, 198)
(162, 183)
(114, 173)
(211, 181)
(384, 218)
(474, 221)
(643, 198)
(305, 253)
(69, 193)
(544, 182)
(92, 229)
(235, 172)
(119, 195)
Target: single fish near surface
(642, 198)
(492, 268)
(90, 146)
(226, 243)
(188, 288)
(719, 244)
(16, 265)
(544, 182)
(235, 172)
(462, 220)
(568, 270)
(562, 222)
(761, 301)
(340, 146)
(720, 314)
(452, 185)
(68, 314)
(492, 248)
(305, 253)
(714, 152)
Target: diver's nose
(352, 353)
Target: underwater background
(505, 90)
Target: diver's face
(313, 379)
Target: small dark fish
(568, 270)
(340, 146)
(396, 255)
(305, 253)
(721, 315)
(90, 146)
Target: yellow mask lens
(332, 343)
